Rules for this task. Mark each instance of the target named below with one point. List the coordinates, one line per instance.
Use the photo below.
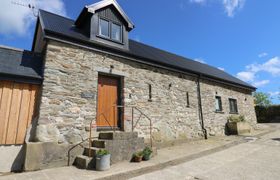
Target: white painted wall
(11, 158)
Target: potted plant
(138, 156)
(147, 152)
(237, 125)
(103, 158)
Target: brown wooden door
(107, 112)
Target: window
(104, 28)
(116, 32)
(218, 103)
(110, 30)
(233, 106)
(188, 99)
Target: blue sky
(240, 36)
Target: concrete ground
(231, 157)
(259, 158)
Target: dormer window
(104, 28)
(110, 30)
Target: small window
(218, 103)
(104, 28)
(188, 99)
(116, 32)
(233, 106)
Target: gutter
(201, 119)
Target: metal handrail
(133, 108)
(90, 128)
(141, 113)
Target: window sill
(233, 113)
(220, 112)
(109, 39)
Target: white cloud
(274, 94)
(16, 19)
(261, 55)
(261, 83)
(198, 1)
(200, 60)
(246, 76)
(231, 6)
(223, 69)
(271, 66)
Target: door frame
(120, 94)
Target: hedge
(267, 114)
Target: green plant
(236, 118)
(262, 99)
(102, 152)
(138, 154)
(147, 151)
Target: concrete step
(84, 162)
(98, 143)
(117, 135)
(93, 151)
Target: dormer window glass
(110, 30)
(116, 32)
(104, 28)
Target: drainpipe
(200, 108)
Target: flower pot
(137, 158)
(103, 162)
(146, 157)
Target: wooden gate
(17, 107)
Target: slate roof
(64, 28)
(20, 64)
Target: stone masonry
(70, 71)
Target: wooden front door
(108, 93)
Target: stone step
(93, 151)
(117, 135)
(98, 143)
(84, 162)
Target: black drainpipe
(200, 108)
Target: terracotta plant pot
(137, 158)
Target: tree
(262, 99)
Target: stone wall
(215, 121)
(70, 72)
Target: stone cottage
(96, 79)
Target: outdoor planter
(236, 125)
(103, 159)
(147, 152)
(137, 157)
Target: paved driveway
(256, 159)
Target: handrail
(78, 144)
(151, 125)
(133, 108)
(91, 122)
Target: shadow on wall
(268, 114)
